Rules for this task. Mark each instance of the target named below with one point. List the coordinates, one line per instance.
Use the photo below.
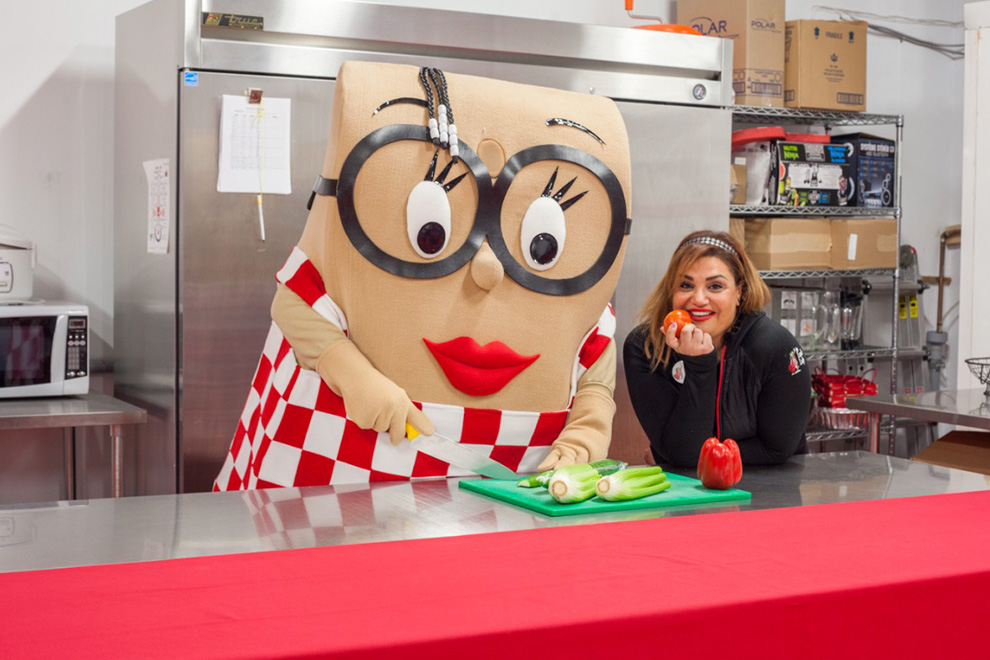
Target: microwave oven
(44, 349)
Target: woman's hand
(693, 340)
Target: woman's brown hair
(755, 294)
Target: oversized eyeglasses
(487, 219)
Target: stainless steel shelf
(909, 353)
(803, 274)
(867, 352)
(824, 435)
(829, 211)
(757, 114)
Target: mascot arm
(372, 400)
(588, 432)
(309, 334)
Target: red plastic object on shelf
(763, 134)
(820, 138)
(833, 389)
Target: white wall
(56, 148)
(974, 338)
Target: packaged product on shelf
(872, 169)
(808, 174)
(753, 145)
(789, 243)
(756, 28)
(864, 243)
(825, 65)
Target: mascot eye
(543, 231)
(428, 219)
(428, 211)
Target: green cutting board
(682, 491)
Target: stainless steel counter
(107, 531)
(964, 407)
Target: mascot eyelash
(563, 191)
(443, 173)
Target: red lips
(478, 370)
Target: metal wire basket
(981, 369)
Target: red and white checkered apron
(294, 430)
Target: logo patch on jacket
(678, 372)
(796, 360)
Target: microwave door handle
(59, 349)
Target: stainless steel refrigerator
(189, 324)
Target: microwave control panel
(77, 355)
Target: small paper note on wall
(156, 171)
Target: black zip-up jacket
(764, 400)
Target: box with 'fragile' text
(825, 65)
(756, 28)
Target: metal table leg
(116, 452)
(69, 451)
(873, 431)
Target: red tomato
(720, 464)
(678, 317)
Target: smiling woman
(730, 372)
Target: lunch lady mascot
(463, 242)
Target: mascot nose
(486, 269)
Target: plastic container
(753, 144)
(839, 418)
(17, 261)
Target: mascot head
(472, 263)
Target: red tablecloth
(903, 578)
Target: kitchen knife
(458, 455)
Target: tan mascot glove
(372, 400)
(588, 432)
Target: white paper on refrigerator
(255, 146)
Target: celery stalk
(602, 467)
(632, 483)
(573, 483)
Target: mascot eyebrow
(559, 121)
(401, 99)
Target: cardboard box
(756, 28)
(872, 169)
(789, 243)
(737, 230)
(738, 181)
(825, 65)
(864, 243)
(808, 174)
(963, 450)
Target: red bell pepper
(719, 465)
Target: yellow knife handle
(411, 432)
